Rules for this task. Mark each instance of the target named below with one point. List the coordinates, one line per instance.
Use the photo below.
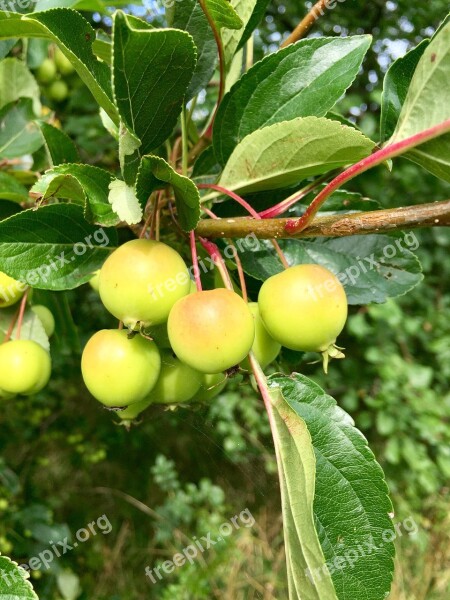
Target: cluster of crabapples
(54, 75)
(177, 344)
(25, 365)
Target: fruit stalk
(433, 214)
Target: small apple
(142, 280)
(46, 318)
(25, 367)
(265, 348)
(58, 91)
(119, 369)
(177, 381)
(211, 331)
(94, 282)
(65, 67)
(305, 308)
(46, 72)
(11, 291)
(212, 385)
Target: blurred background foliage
(66, 461)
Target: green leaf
(19, 134)
(284, 153)
(189, 16)
(154, 174)
(13, 583)
(16, 81)
(75, 36)
(102, 47)
(53, 248)
(351, 504)
(223, 14)
(257, 16)
(11, 189)
(372, 268)
(85, 185)
(12, 25)
(152, 70)
(301, 80)
(231, 37)
(7, 209)
(31, 329)
(297, 466)
(434, 156)
(395, 88)
(59, 145)
(124, 202)
(426, 104)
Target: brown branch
(307, 22)
(435, 214)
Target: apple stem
(11, 327)
(214, 253)
(261, 382)
(155, 215)
(284, 205)
(197, 278)
(248, 208)
(236, 257)
(23, 304)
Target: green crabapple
(119, 369)
(304, 308)
(46, 318)
(141, 281)
(265, 348)
(11, 291)
(25, 367)
(176, 383)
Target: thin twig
(306, 23)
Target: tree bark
(436, 214)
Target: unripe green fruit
(11, 291)
(58, 91)
(142, 280)
(119, 370)
(46, 318)
(94, 282)
(304, 308)
(265, 348)
(46, 72)
(25, 367)
(177, 381)
(65, 67)
(211, 331)
(212, 385)
(134, 410)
